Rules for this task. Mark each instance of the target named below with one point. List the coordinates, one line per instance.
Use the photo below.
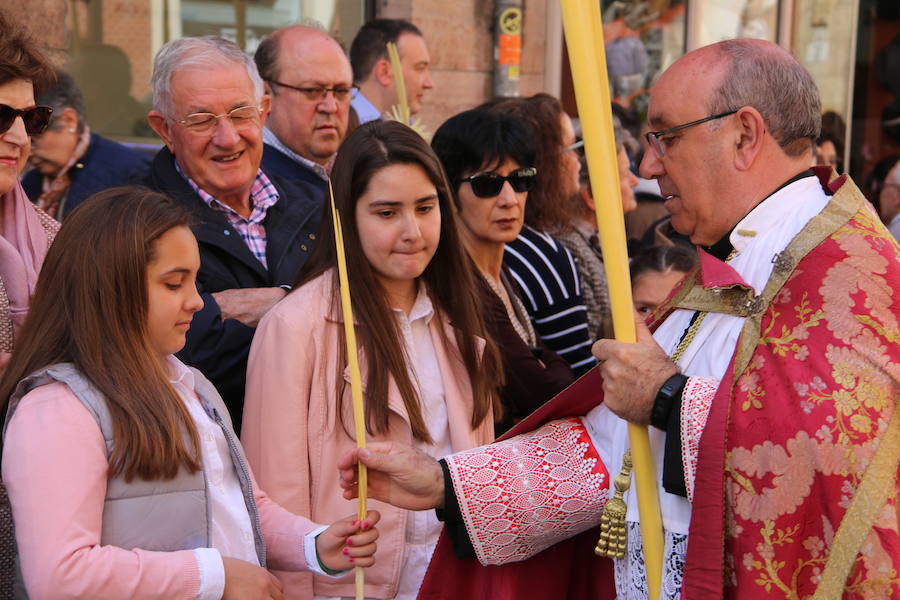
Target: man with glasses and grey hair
(770, 384)
(254, 231)
(309, 79)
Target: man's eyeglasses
(36, 118)
(203, 123)
(655, 138)
(488, 185)
(317, 94)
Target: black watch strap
(669, 391)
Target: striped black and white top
(546, 274)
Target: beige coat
(293, 434)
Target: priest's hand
(633, 373)
(398, 474)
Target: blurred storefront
(108, 45)
(111, 44)
(852, 48)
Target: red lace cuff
(522, 495)
(696, 401)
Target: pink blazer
(293, 433)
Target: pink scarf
(23, 246)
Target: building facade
(852, 48)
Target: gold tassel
(612, 542)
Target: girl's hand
(349, 543)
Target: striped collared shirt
(262, 196)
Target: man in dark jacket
(309, 79)
(254, 232)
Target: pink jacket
(55, 468)
(293, 436)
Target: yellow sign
(511, 21)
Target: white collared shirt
(231, 531)
(422, 527)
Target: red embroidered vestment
(797, 473)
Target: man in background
(372, 71)
(254, 231)
(309, 79)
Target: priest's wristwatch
(667, 397)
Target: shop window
(875, 117)
(642, 39)
(718, 20)
(112, 44)
(822, 39)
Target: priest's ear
(750, 137)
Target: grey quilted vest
(154, 515)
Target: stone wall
(460, 41)
(458, 33)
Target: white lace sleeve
(696, 401)
(522, 495)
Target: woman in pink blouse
(125, 477)
(428, 376)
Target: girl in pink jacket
(124, 475)
(429, 377)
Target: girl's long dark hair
(90, 308)
(448, 279)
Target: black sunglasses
(36, 118)
(488, 185)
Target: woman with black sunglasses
(25, 232)
(489, 158)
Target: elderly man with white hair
(255, 231)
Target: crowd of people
(178, 413)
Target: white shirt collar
(422, 308)
(178, 372)
(771, 226)
(777, 208)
